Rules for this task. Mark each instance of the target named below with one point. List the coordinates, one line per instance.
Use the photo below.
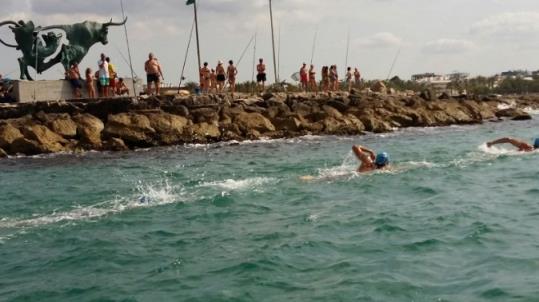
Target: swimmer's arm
(363, 154)
(508, 140)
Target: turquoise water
(452, 221)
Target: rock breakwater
(128, 123)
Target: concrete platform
(37, 91)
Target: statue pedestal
(38, 91)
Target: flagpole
(273, 44)
(196, 30)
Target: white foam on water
(498, 150)
(254, 184)
(147, 196)
(531, 111)
(347, 169)
(503, 106)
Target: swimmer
(521, 145)
(370, 161)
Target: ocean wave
(146, 196)
(254, 184)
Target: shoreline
(121, 124)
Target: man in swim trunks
(521, 145)
(261, 74)
(153, 73)
(104, 76)
(73, 75)
(221, 76)
(370, 161)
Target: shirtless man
(521, 145)
(231, 73)
(205, 78)
(74, 77)
(153, 73)
(304, 77)
(261, 74)
(370, 161)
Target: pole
(314, 44)
(347, 50)
(186, 55)
(273, 44)
(196, 30)
(254, 64)
(128, 50)
(393, 64)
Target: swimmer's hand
(489, 144)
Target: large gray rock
(253, 121)
(134, 129)
(49, 142)
(89, 129)
(8, 134)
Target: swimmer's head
(536, 143)
(382, 160)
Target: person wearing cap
(221, 76)
(521, 145)
(370, 161)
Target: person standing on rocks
(312, 79)
(325, 79)
(153, 73)
(205, 79)
(213, 81)
(112, 77)
(303, 77)
(90, 83)
(261, 75)
(231, 73)
(333, 78)
(357, 77)
(104, 76)
(221, 76)
(349, 78)
(74, 77)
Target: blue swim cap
(382, 159)
(536, 144)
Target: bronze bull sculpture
(36, 49)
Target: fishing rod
(254, 64)
(245, 50)
(393, 64)
(123, 57)
(314, 44)
(186, 55)
(347, 50)
(128, 49)
(279, 54)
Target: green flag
(189, 2)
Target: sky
(480, 37)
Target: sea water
(451, 221)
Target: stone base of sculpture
(37, 91)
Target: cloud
(508, 25)
(448, 46)
(380, 40)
